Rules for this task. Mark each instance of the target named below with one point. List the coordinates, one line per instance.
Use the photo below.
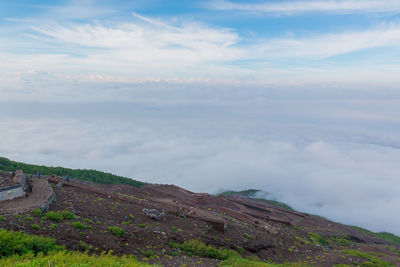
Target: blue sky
(299, 98)
(231, 41)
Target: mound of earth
(144, 221)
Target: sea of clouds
(329, 152)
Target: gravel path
(40, 192)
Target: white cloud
(149, 40)
(350, 183)
(332, 44)
(306, 6)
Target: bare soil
(248, 226)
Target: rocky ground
(251, 227)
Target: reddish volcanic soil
(253, 227)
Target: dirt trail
(41, 191)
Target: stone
(154, 214)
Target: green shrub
(2, 218)
(200, 249)
(35, 226)
(20, 243)
(54, 216)
(78, 225)
(88, 220)
(119, 232)
(68, 215)
(53, 226)
(142, 225)
(36, 212)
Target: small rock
(154, 214)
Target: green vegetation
(35, 226)
(78, 225)
(149, 253)
(36, 212)
(60, 216)
(85, 245)
(371, 259)
(229, 257)
(2, 218)
(389, 237)
(24, 250)
(343, 241)
(318, 240)
(252, 193)
(119, 232)
(68, 258)
(394, 239)
(53, 226)
(198, 248)
(242, 262)
(248, 236)
(68, 215)
(19, 243)
(88, 221)
(54, 216)
(88, 175)
(176, 229)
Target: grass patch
(341, 241)
(394, 239)
(68, 215)
(69, 258)
(88, 221)
(371, 259)
(78, 225)
(242, 262)
(318, 240)
(54, 216)
(60, 216)
(36, 212)
(198, 248)
(119, 232)
(19, 243)
(35, 226)
(2, 218)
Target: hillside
(87, 175)
(170, 226)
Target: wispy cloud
(306, 6)
(332, 44)
(148, 39)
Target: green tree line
(82, 174)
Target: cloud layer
(333, 156)
(307, 6)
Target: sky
(298, 98)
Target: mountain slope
(171, 226)
(87, 175)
